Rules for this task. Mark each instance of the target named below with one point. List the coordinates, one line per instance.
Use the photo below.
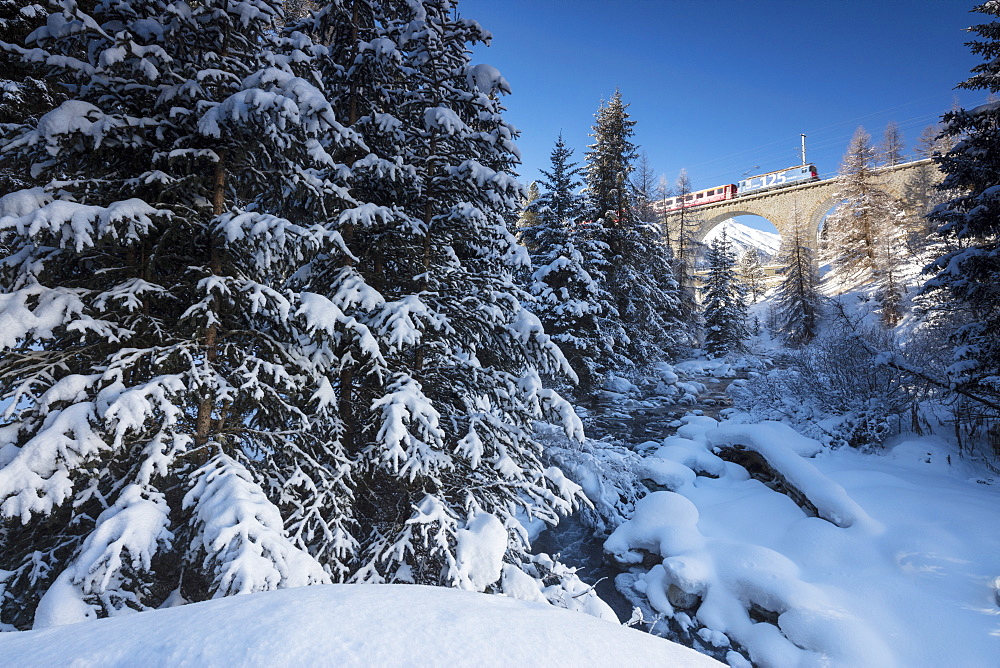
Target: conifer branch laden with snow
(150, 328)
(962, 291)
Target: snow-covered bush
(607, 472)
(544, 579)
(832, 390)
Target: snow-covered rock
(899, 573)
(618, 385)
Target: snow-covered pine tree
(797, 300)
(966, 278)
(562, 186)
(891, 151)
(161, 403)
(644, 183)
(725, 306)
(441, 425)
(640, 277)
(752, 274)
(355, 52)
(862, 236)
(568, 282)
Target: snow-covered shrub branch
(832, 390)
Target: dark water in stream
(630, 422)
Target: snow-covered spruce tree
(725, 307)
(568, 282)
(797, 300)
(23, 96)
(162, 405)
(752, 274)
(441, 436)
(354, 50)
(529, 216)
(640, 277)
(966, 277)
(610, 164)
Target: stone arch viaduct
(808, 203)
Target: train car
(778, 179)
(716, 194)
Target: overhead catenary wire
(820, 140)
(792, 153)
(815, 131)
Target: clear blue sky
(723, 86)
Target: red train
(716, 194)
(750, 186)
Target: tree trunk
(203, 423)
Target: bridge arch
(710, 223)
(816, 216)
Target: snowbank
(900, 568)
(784, 450)
(348, 625)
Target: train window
(689, 198)
(700, 195)
(710, 193)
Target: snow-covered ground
(846, 559)
(348, 625)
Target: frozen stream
(630, 421)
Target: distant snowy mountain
(742, 237)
